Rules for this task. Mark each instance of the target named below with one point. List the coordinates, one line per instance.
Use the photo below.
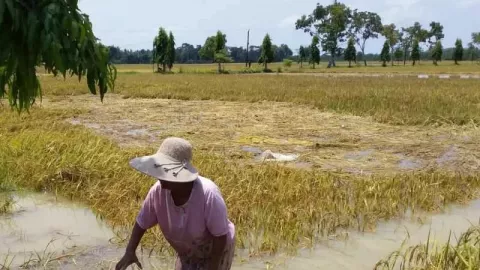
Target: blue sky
(133, 24)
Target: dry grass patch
(286, 206)
(424, 67)
(328, 141)
(402, 101)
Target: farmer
(188, 208)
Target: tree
(207, 51)
(398, 54)
(222, 58)
(434, 36)
(365, 25)
(415, 51)
(220, 41)
(472, 52)
(385, 54)
(392, 35)
(215, 50)
(329, 23)
(475, 42)
(267, 53)
(436, 31)
(54, 34)
(418, 33)
(409, 34)
(221, 55)
(302, 55)
(187, 53)
(281, 52)
(160, 44)
(405, 42)
(476, 38)
(458, 53)
(170, 53)
(350, 52)
(314, 51)
(437, 52)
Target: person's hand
(128, 259)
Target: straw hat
(172, 162)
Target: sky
(133, 24)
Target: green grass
(286, 207)
(462, 255)
(397, 100)
(6, 203)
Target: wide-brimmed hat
(172, 162)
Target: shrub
(287, 62)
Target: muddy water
(42, 228)
(83, 242)
(363, 251)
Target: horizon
(203, 19)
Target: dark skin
(180, 195)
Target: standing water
(364, 250)
(43, 230)
(69, 236)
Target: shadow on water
(42, 228)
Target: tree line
(188, 54)
(336, 31)
(336, 24)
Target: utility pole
(248, 44)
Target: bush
(287, 62)
(279, 70)
(250, 70)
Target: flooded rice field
(303, 136)
(46, 232)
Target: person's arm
(146, 219)
(135, 238)
(217, 225)
(219, 245)
(130, 257)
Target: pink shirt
(188, 228)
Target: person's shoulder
(156, 188)
(208, 185)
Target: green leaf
(46, 42)
(73, 3)
(82, 34)
(47, 23)
(2, 84)
(74, 29)
(32, 29)
(64, 43)
(80, 72)
(9, 4)
(91, 82)
(2, 10)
